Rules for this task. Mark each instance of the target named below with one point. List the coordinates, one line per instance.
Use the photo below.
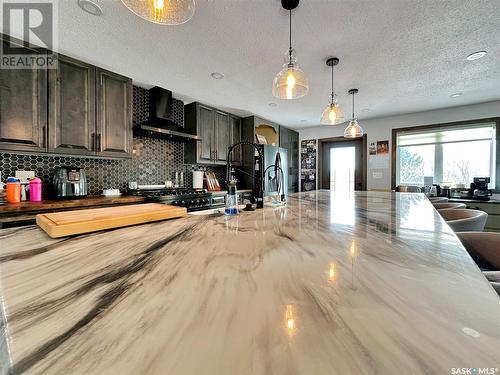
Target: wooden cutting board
(67, 223)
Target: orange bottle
(13, 190)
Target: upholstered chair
(438, 199)
(448, 205)
(465, 220)
(483, 247)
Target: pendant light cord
(290, 48)
(353, 106)
(332, 84)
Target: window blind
(466, 133)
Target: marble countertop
(374, 283)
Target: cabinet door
(72, 107)
(223, 136)
(235, 138)
(23, 109)
(205, 120)
(114, 114)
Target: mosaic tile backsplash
(155, 158)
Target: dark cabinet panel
(289, 139)
(217, 131)
(223, 136)
(235, 138)
(114, 114)
(23, 109)
(206, 132)
(72, 107)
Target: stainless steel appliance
(218, 201)
(192, 199)
(275, 180)
(479, 189)
(69, 182)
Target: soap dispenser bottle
(231, 199)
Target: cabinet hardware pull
(44, 137)
(99, 149)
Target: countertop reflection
(371, 283)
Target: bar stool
(465, 220)
(438, 199)
(448, 205)
(483, 247)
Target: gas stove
(192, 199)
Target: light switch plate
(23, 176)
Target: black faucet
(282, 186)
(259, 178)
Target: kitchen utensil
(13, 190)
(67, 223)
(35, 189)
(198, 179)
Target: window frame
(395, 131)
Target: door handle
(44, 136)
(211, 153)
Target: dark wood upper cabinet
(215, 129)
(223, 136)
(23, 108)
(76, 109)
(114, 114)
(205, 128)
(235, 138)
(72, 121)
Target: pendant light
(353, 130)
(332, 114)
(290, 82)
(163, 12)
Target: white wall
(380, 129)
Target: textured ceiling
(403, 55)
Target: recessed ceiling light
(456, 95)
(217, 75)
(476, 55)
(272, 104)
(90, 7)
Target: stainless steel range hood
(160, 117)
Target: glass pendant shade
(163, 12)
(333, 114)
(290, 83)
(353, 130)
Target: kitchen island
(373, 283)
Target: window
(452, 154)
